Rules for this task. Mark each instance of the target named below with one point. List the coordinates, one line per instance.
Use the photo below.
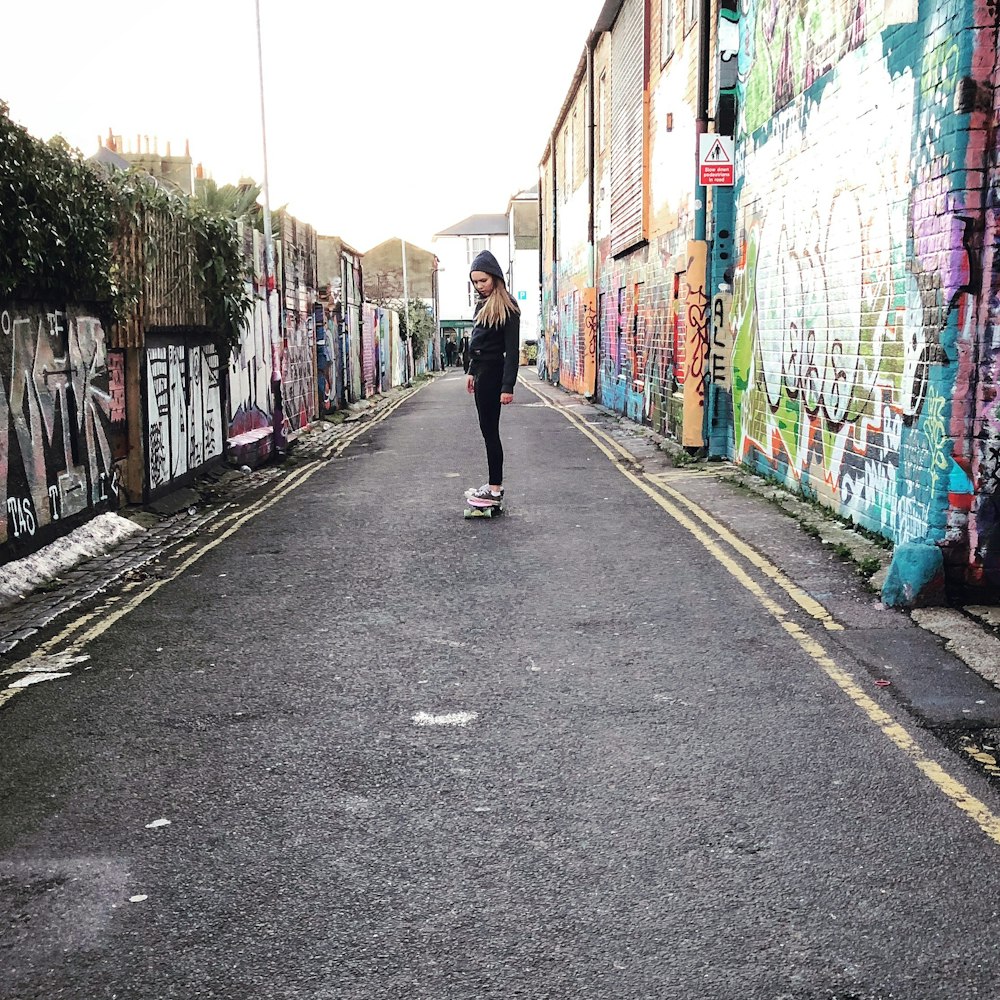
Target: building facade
(828, 316)
(522, 252)
(456, 247)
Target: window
(474, 246)
(690, 14)
(602, 97)
(667, 16)
(564, 163)
(571, 153)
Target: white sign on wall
(716, 159)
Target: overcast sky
(384, 117)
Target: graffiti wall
(298, 370)
(984, 364)
(62, 417)
(184, 418)
(371, 381)
(861, 164)
(297, 283)
(251, 366)
(643, 297)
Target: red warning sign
(716, 154)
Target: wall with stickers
(863, 363)
(62, 422)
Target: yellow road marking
(809, 604)
(232, 522)
(953, 789)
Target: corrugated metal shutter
(627, 72)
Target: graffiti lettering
(22, 516)
(722, 340)
(934, 428)
(183, 402)
(55, 398)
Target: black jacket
(495, 344)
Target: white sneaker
(480, 489)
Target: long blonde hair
(498, 305)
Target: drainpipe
(554, 299)
(701, 122)
(541, 246)
(589, 147)
(555, 216)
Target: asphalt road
(636, 780)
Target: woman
(493, 358)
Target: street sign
(523, 296)
(716, 155)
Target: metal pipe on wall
(701, 122)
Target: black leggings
(488, 383)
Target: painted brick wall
(861, 166)
(980, 364)
(643, 295)
(567, 362)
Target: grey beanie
(486, 262)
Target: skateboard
(471, 510)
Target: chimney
(168, 150)
(187, 148)
(199, 172)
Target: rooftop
(478, 225)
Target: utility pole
(406, 307)
(270, 278)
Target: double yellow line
(73, 639)
(688, 514)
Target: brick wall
(857, 212)
(643, 295)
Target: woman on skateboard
(493, 359)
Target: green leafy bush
(74, 233)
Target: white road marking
(448, 719)
(36, 678)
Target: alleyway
(597, 748)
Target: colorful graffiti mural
(251, 365)
(641, 305)
(183, 411)
(62, 414)
(855, 291)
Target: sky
(383, 117)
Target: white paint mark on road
(448, 719)
(138, 899)
(37, 677)
(157, 823)
(58, 664)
